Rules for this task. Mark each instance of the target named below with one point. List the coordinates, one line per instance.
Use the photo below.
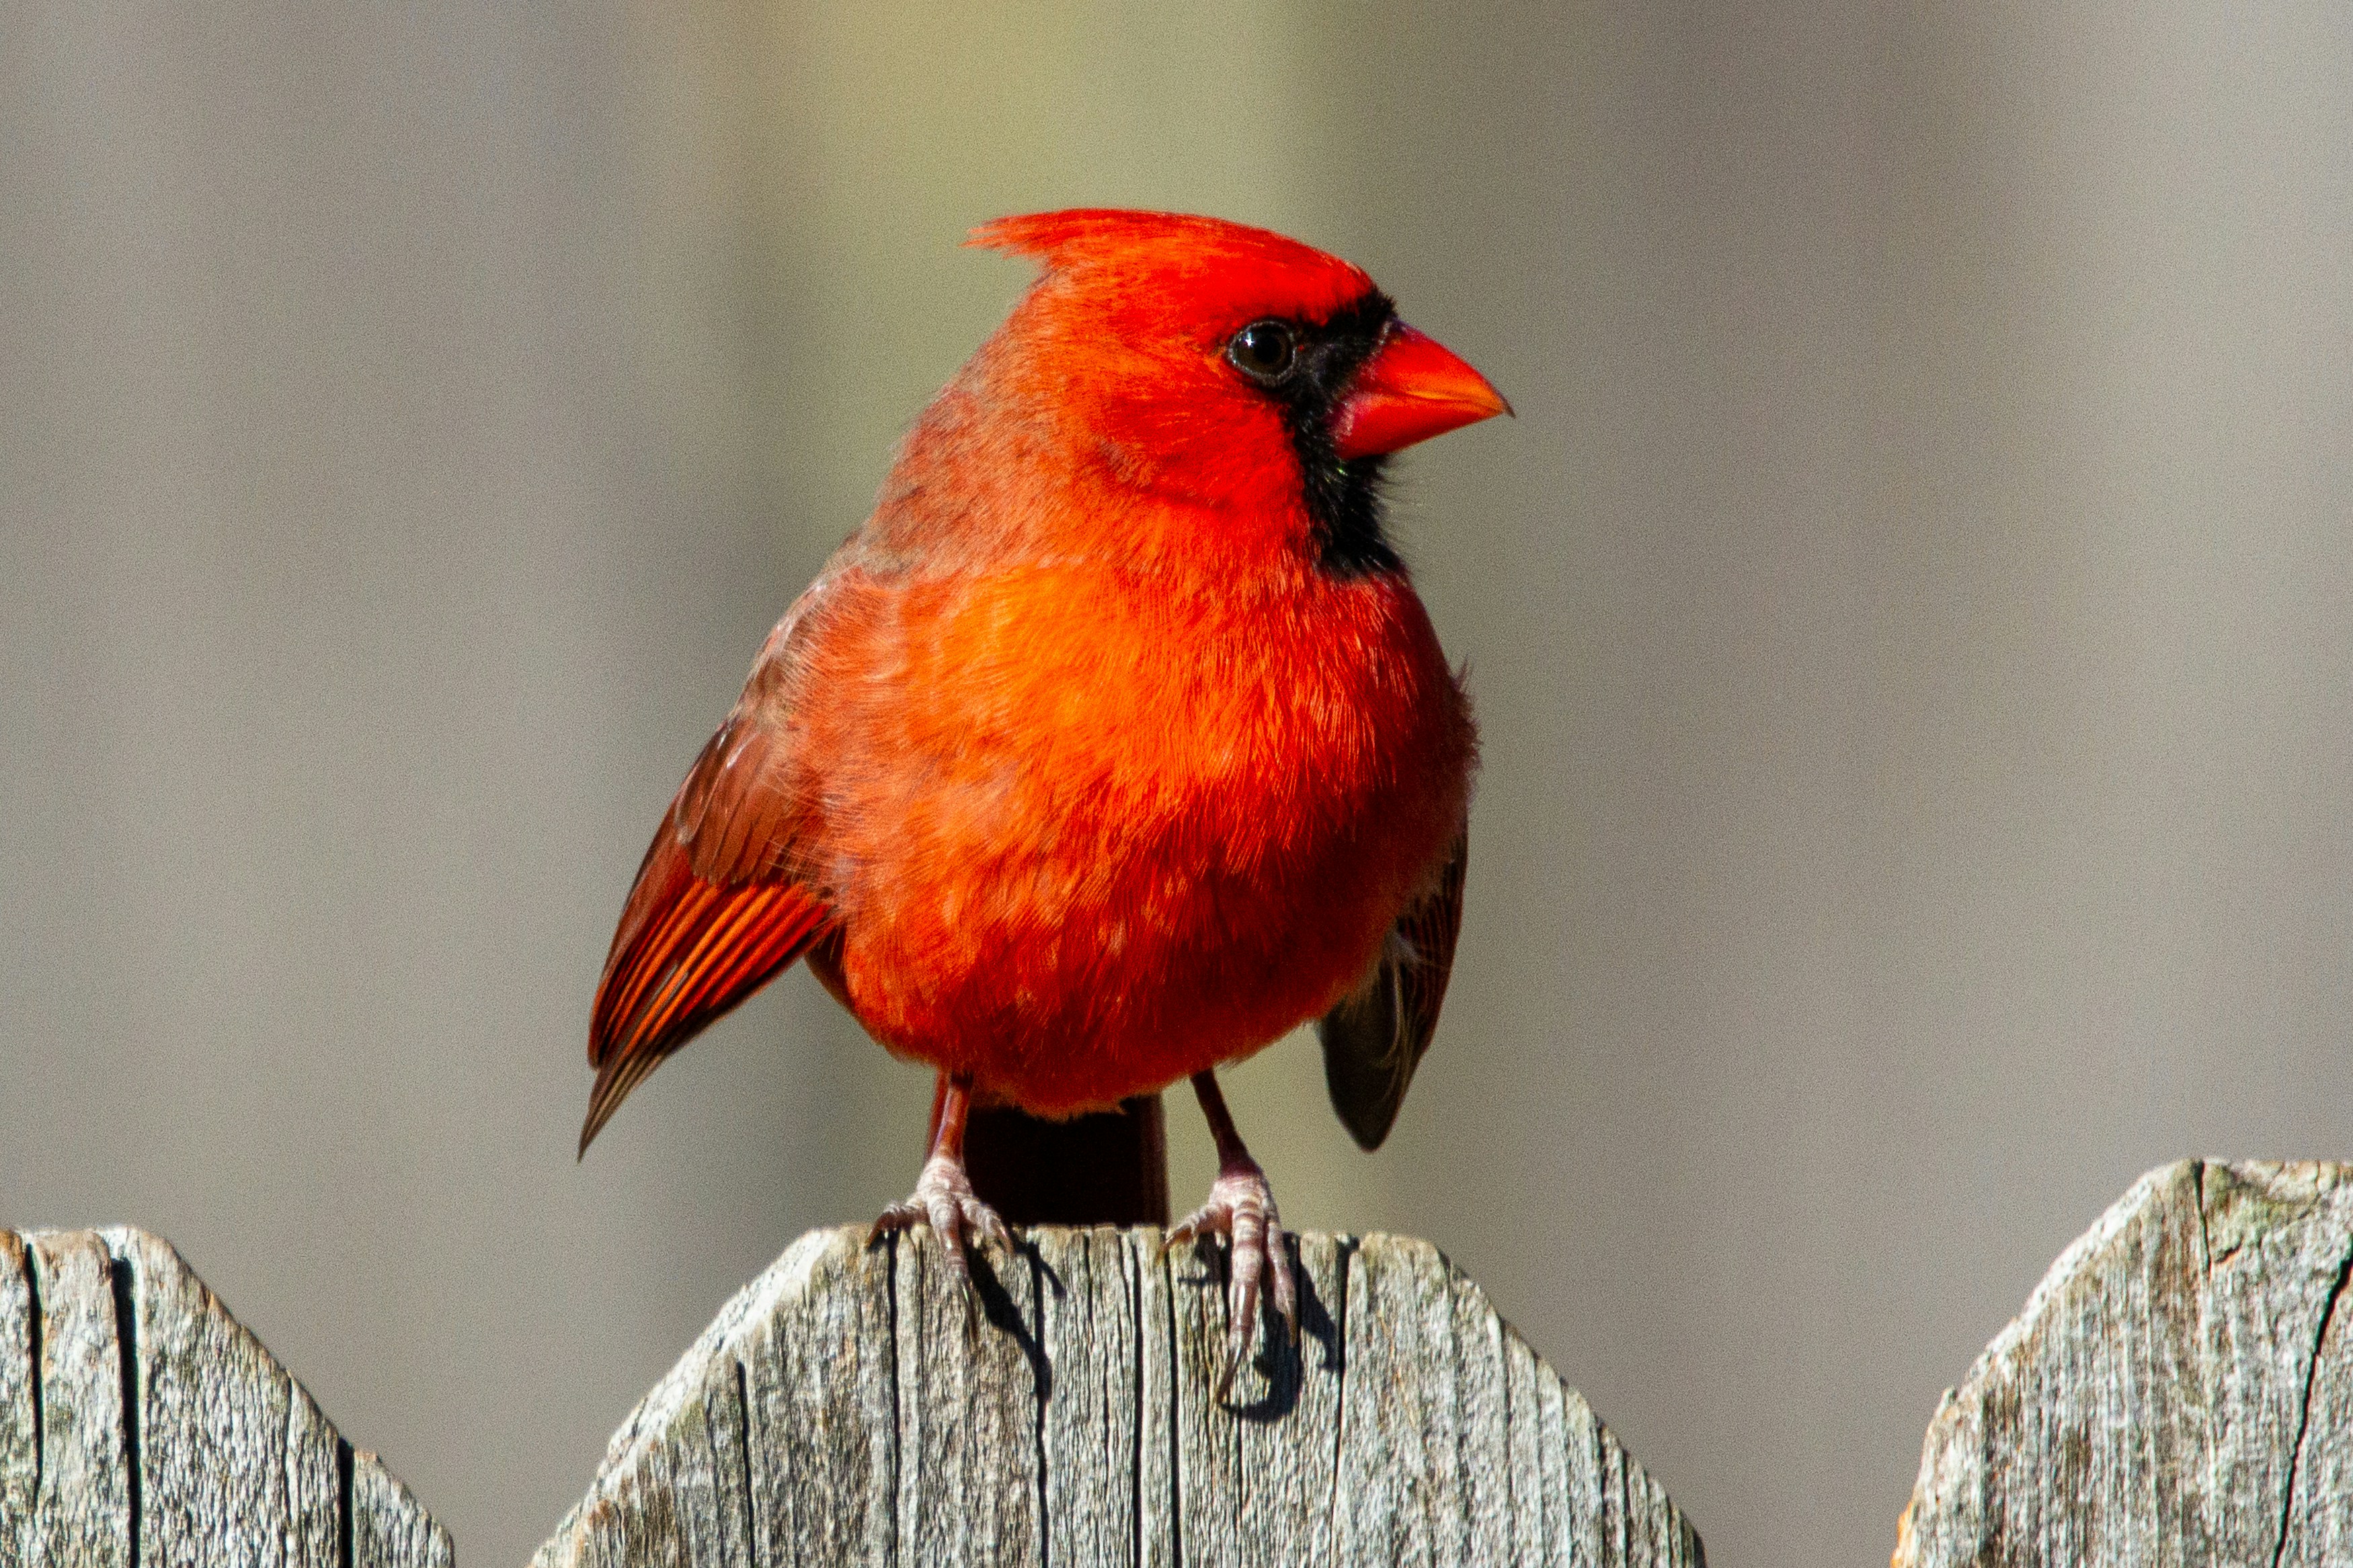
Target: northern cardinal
(1116, 744)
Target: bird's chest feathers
(1098, 725)
(1230, 722)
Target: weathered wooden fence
(2178, 1390)
(854, 1405)
(140, 1425)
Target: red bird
(1116, 744)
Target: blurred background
(1911, 619)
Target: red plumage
(1114, 745)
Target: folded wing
(1374, 1039)
(719, 906)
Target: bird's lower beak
(1413, 388)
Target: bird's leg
(943, 1198)
(1243, 1206)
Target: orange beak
(1411, 389)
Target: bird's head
(1225, 365)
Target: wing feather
(1374, 1038)
(719, 904)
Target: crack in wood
(744, 1459)
(120, 1277)
(35, 1373)
(1337, 1359)
(1175, 1413)
(2304, 1414)
(1131, 1275)
(1042, 1372)
(344, 1528)
(891, 1356)
(2207, 1262)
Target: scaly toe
(1286, 1288)
(1238, 1338)
(945, 1216)
(989, 1226)
(1240, 1206)
(1210, 1219)
(945, 1202)
(898, 1216)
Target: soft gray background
(1911, 617)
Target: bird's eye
(1263, 350)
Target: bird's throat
(1346, 507)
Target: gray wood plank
(316, 1504)
(973, 1379)
(1256, 1475)
(854, 1405)
(1484, 1460)
(20, 1416)
(2178, 1389)
(214, 1422)
(2320, 1511)
(825, 1416)
(1091, 1440)
(1538, 1467)
(1398, 1495)
(151, 1428)
(82, 1516)
(1283, 1415)
(389, 1528)
(1159, 1521)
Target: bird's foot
(1241, 1205)
(944, 1200)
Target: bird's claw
(945, 1200)
(1241, 1205)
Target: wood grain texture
(853, 1405)
(2177, 1390)
(141, 1425)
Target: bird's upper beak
(1411, 389)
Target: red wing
(716, 909)
(1374, 1039)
